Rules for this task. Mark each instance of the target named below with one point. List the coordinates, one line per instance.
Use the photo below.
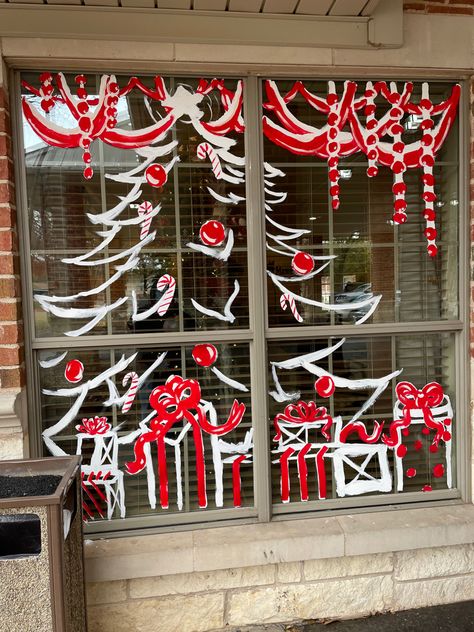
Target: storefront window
(146, 324)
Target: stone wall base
(332, 588)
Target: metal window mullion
(257, 295)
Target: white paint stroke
(230, 199)
(272, 171)
(314, 356)
(332, 307)
(234, 172)
(280, 196)
(222, 254)
(133, 249)
(378, 384)
(49, 363)
(303, 277)
(130, 264)
(279, 395)
(227, 157)
(228, 315)
(293, 231)
(132, 196)
(228, 380)
(237, 448)
(109, 236)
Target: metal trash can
(41, 549)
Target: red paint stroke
(427, 488)
(74, 371)
(162, 471)
(321, 472)
(332, 142)
(301, 413)
(303, 471)
(285, 475)
(236, 480)
(212, 233)
(204, 354)
(424, 400)
(179, 400)
(324, 386)
(361, 430)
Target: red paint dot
(156, 175)
(432, 250)
(430, 233)
(88, 173)
(399, 188)
(438, 470)
(302, 263)
(212, 233)
(418, 445)
(74, 371)
(426, 431)
(204, 354)
(401, 451)
(405, 432)
(427, 488)
(446, 435)
(400, 205)
(411, 472)
(372, 172)
(399, 218)
(447, 422)
(429, 214)
(324, 386)
(433, 448)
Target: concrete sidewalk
(457, 617)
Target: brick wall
(453, 7)
(329, 588)
(11, 329)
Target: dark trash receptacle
(41, 550)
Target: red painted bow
(302, 413)
(94, 426)
(174, 401)
(425, 399)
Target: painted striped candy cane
(287, 299)
(168, 283)
(132, 391)
(206, 149)
(145, 210)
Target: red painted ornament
(401, 451)
(204, 354)
(156, 175)
(438, 470)
(212, 233)
(74, 371)
(302, 263)
(406, 432)
(324, 386)
(418, 445)
(411, 472)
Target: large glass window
(194, 371)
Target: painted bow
(178, 400)
(94, 426)
(412, 399)
(303, 413)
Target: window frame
(258, 332)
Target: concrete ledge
(289, 541)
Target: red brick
(7, 242)
(461, 2)
(7, 192)
(6, 146)
(11, 356)
(11, 378)
(450, 9)
(6, 169)
(3, 98)
(10, 311)
(9, 288)
(5, 122)
(414, 6)
(11, 334)
(7, 217)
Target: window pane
(346, 421)
(355, 264)
(89, 409)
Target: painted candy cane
(132, 391)
(166, 281)
(144, 210)
(206, 148)
(287, 299)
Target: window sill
(275, 542)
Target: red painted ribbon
(302, 413)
